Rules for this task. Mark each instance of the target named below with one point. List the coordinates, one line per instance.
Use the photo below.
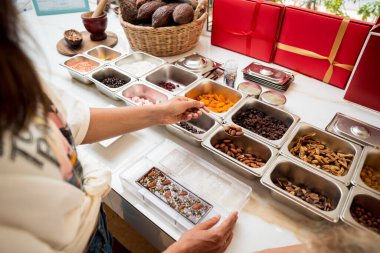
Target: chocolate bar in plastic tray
(209, 191)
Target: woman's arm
(109, 122)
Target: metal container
(206, 86)
(173, 74)
(299, 174)
(288, 118)
(109, 71)
(141, 89)
(138, 63)
(335, 143)
(273, 97)
(274, 75)
(371, 157)
(354, 130)
(78, 75)
(366, 199)
(249, 144)
(197, 63)
(273, 78)
(250, 88)
(204, 123)
(103, 53)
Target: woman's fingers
(228, 241)
(209, 223)
(228, 224)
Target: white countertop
(260, 224)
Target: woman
(51, 199)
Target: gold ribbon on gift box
(330, 58)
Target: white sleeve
(17, 240)
(96, 176)
(75, 112)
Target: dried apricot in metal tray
(175, 195)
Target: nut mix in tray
(234, 130)
(371, 177)
(306, 194)
(365, 217)
(232, 149)
(315, 152)
(174, 195)
(260, 123)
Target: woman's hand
(205, 238)
(179, 109)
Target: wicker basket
(166, 41)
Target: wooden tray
(87, 43)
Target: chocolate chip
(113, 82)
(365, 217)
(190, 128)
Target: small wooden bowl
(73, 37)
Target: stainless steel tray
(197, 63)
(354, 130)
(300, 174)
(288, 118)
(365, 198)
(209, 86)
(170, 73)
(276, 76)
(371, 157)
(249, 144)
(80, 76)
(334, 142)
(140, 88)
(204, 123)
(107, 71)
(103, 53)
(131, 63)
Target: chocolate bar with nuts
(175, 195)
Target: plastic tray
(222, 191)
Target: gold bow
(330, 58)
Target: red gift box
(247, 27)
(364, 85)
(320, 45)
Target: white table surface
(260, 224)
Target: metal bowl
(103, 53)
(197, 63)
(335, 143)
(366, 199)
(288, 118)
(138, 63)
(300, 174)
(78, 75)
(109, 71)
(173, 74)
(204, 123)
(249, 144)
(206, 86)
(370, 156)
(141, 89)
